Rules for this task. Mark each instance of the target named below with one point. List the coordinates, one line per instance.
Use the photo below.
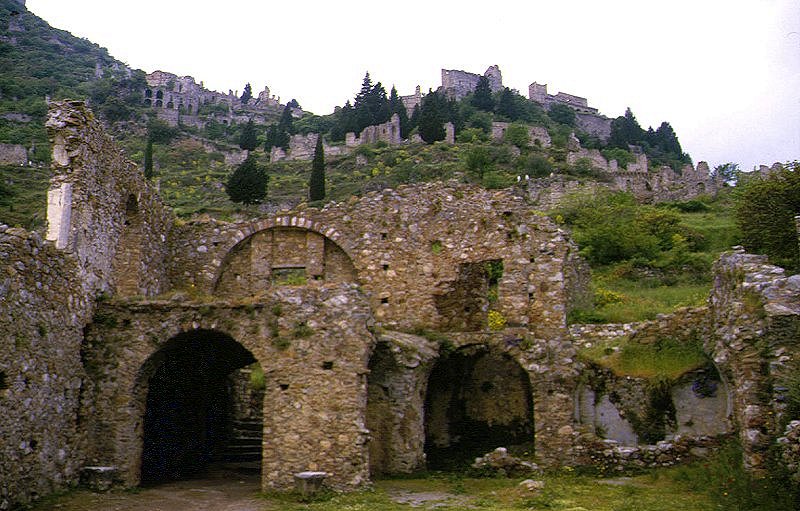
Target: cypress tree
(248, 183)
(316, 185)
(247, 138)
(148, 159)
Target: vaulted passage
(198, 410)
(477, 400)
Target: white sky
(724, 73)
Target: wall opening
(477, 400)
(127, 259)
(202, 410)
(463, 304)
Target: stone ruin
(394, 331)
(179, 99)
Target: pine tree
(396, 106)
(316, 185)
(431, 118)
(482, 97)
(247, 95)
(248, 183)
(625, 131)
(148, 159)
(248, 139)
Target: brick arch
(244, 233)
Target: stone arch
(701, 188)
(148, 93)
(282, 248)
(478, 398)
(184, 405)
(159, 94)
(170, 105)
(159, 103)
(127, 259)
(148, 102)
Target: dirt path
(224, 491)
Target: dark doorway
(189, 419)
(477, 400)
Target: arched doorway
(477, 400)
(194, 400)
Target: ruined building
(394, 332)
(457, 84)
(175, 98)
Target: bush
(248, 183)
(765, 210)
(518, 135)
(534, 165)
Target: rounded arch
(284, 247)
(478, 398)
(185, 405)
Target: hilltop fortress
(392, 331)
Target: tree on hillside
(507, 105)
(148, 159)
(727, 172)
(625, 131)
(247, 94)
(247, 138)
(316, 184)
(765, 211)
(248, 183)
(562, 114)
(482, 97)
(432, 117)
(371, 105)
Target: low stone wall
(608, 456)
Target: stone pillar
(59, 214)
(449, 133)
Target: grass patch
(666, 358)
(632, 301)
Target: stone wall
(42, 313)
(407, 247)
(755, 314)
(316, 379)
(13, 154)
(101, 209)
(649, 186)
(456, 84)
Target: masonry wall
(316, 379)
(408, 247)
(101, 210)
(42, 314)
(106, 233)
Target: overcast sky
(724, 73)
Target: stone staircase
(244, 446)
